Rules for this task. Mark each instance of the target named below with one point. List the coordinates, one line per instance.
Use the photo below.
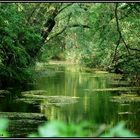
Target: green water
(93, 104)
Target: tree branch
(31, 14)
(134, 6)
(120, 34)
(64, 8)
(118, 28)
(60, 32)
(134, 49)
(68, 26)
(118, 42)
(79, 25)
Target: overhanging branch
(115, 53)
(60, 32)
(64, 8)
(68, 26)
(78, 25)
(118, 28)
(120, 34)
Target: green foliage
(18, 43)
(83, 33)
(96, 46)
(119, 131)
(17, 74)
(60, 129)
(53, 49)
(3, 126)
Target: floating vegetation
(34, 92)
(123, 98)
(101, 72)
(35, 96)
(60, 100)
(21, 115)
(124, 104)
(4, 93)
(111, 76)
(118, 82)
(29, 100)
(21, 124)
(47, 104)
(115, 89)
(125, 113)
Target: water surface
(94, 106)
(94, 103)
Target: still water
(94, 92)
(94, 106)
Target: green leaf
(3, 124)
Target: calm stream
(94, 102)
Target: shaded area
(22, 124)
(24, 117)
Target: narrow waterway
(97, 92)
(95, 96)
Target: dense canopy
(97, 35)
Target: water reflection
(72, 81)
(93, 106)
